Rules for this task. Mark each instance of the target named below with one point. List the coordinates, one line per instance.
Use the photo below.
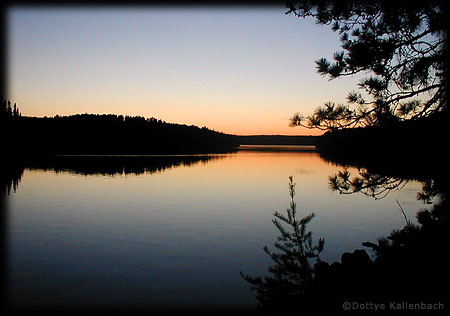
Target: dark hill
(110, 134)
(419, 146)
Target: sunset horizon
(236, 70)
(296, 131)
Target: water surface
(177, 235)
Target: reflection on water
(173, 231)
(283, 148)
(118, 164)
(10, 177)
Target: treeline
(8, 112)
(418, 145)
(109, 134)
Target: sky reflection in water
(178, 236)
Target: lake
(176, 234)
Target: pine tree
(292, 274)
(15, 111)
(9, 110)
(401, 44)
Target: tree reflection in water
(10, 175)
(12, 169)
(377, 186)
(408, 266)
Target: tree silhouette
(292, 273)
(368, 183)
(8, 112)
(403, 44)
(107, 134)
(410, 265)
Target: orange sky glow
(236, 70)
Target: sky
(237, 70)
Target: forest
(106, 134)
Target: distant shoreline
(255, 147)
(277, 140)
(110, 134)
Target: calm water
(178, 235)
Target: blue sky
(233, 69)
